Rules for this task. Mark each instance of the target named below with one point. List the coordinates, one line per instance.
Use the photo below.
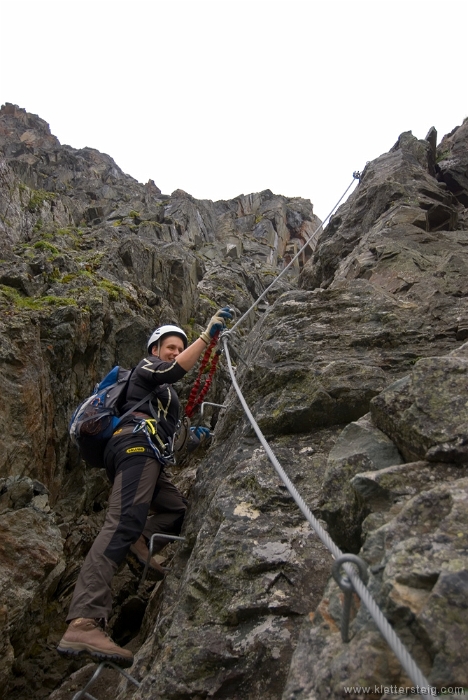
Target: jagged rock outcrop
(91, 262)
(319, 357)
(357, 377)
(231, 610)
(415, 539)
(452, 164)
(425, 414)
(388, 230)
(416, 548)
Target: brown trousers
(143, 500)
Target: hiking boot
(138, 556)
(86, 636)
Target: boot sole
(137, 566)
(98, 656)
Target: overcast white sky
(223, 97)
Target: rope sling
(198, 394)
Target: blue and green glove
(201, 432)
(217, 323)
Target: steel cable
(380, 620)
(406, 660)
(308, 242)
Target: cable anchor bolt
(226, 335)
(347, 587)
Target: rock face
(82, 289)
(229, 619)
(91, 262)
(414, 538)
(355, 368)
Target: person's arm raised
(189, 357)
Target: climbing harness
(198, 394)
(167, 453)
(352, 580)
(148, 426)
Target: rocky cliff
(355, 369)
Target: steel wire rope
(356, 176)
(382, 623)
(401, 652)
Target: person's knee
(178, 522)
(131, 525)
(132, 521)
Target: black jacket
(152, 374)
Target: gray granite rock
(91, 262)
(426, 413)
(31, 565)
(452, 162)
(419, 569)
(361, 446)
(250, 570)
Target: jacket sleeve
(152, 371)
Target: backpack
(96, 418)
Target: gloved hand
(200, 431)
(198, 436)
(216, 324)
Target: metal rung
(163, 537)
(83, 694)
(156, 535)
(208, 403)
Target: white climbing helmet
(162, 331)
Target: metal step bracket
(84, 694)
(157, 535)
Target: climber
(143, 499)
